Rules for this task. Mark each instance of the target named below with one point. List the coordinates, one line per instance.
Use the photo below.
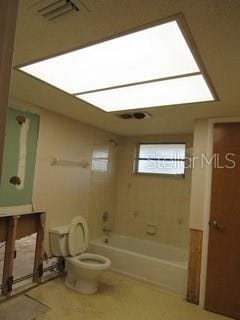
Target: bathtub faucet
(107, 231)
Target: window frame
(137, 158)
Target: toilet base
(82, 286)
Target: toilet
(83, 269)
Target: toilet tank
(58, 238)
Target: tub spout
(107, 231)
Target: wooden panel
(16, 227)
(3, 229)
(27, 225)
(8, 16)
(9, 254)
(194, 267)
(39, 252)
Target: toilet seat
(78, 236)
(77, 245)
(90, 261)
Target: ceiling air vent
(135, 115)
(52, 9)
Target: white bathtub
(151, 261)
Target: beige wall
(160, 200)
(200, 177)
(132, 201)
(201, 192)
(63, 191)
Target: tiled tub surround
(103, 182)
(161, 264)
(160, 200)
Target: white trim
(16, 209)
(207, 203)
(22, 158)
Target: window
(100, 160)
(151, 67)
(159, 158)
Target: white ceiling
(214, 24)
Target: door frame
(207, 202)
(8, 16)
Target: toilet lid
(78, 236)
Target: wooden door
(223, 271)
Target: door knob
(216, 225)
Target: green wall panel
(9, 194)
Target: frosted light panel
(157, 52)
(160, 93)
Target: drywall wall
(19, 157)
(152, 199)
(200, 169)
(68, 191)
(62, 190)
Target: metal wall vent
(52, 9)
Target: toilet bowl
(83, 269)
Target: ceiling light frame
(187, 35)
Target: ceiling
(214, 24)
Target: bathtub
(163, 265)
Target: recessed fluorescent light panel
(147, 68)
